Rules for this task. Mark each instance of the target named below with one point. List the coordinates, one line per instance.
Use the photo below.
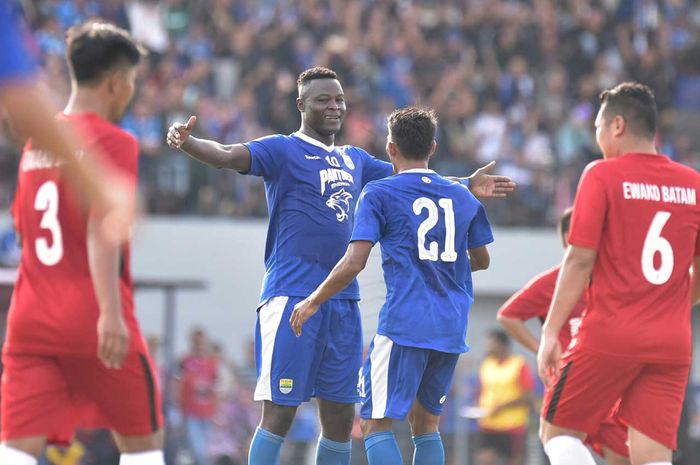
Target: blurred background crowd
(513, 81)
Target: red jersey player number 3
(49, 251)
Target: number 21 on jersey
(431, 252)
(48, 252)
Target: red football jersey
(640, 213)
(534, 299)
(54, 308)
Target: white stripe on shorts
(270, 316)
(379, 374)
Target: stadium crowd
(513, 81)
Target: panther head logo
(340, 203)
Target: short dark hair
(96, 48)
(413, 131)
(317, 72)
(500, 336)
(635, 102)
(565, 221)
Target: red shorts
(612, 434)
(52, 395)
(650, 395)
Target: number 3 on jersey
(431, 253)
(47, 201)
(654, 243)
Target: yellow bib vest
(500, 383)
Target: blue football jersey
(425, 224)
(16, 62)
(311, 192)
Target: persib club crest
(340, 202)
(286, 385)
(348, 161)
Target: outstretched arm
(212, 153)
(484, 185)
(343, 273)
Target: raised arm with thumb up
(236, 156)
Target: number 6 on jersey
(654, 243)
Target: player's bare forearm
(212, 153)
(32, 115)
(573, 277)
(518, 331)
(485, 185)
(347, 269)
(103, 260)
(695, 290)
(479, 258)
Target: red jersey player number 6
(634, 239)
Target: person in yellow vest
(66, 456)
(506, 398)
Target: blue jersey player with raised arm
(433, 234)
(312, 187)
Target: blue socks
(264, 448)
(429, 450)
(382, 449)
(333, 453)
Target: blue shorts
(394, 376)
(323, 362)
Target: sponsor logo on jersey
(340, 203)
(334, 177)
(426, 179)
(312, 157)
(286, 385)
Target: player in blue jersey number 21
(425, 224)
